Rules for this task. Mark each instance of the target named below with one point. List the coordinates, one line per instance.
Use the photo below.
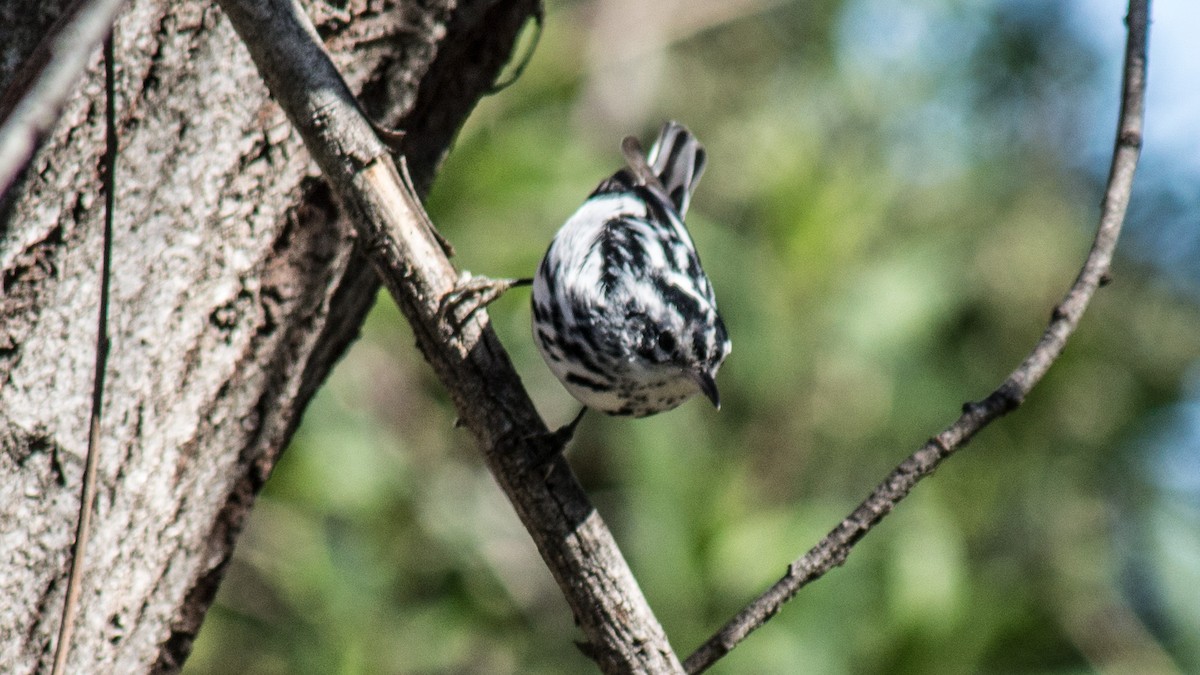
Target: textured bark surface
(234, 290)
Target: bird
(623, 313)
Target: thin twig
(30, 106)
(539, 24)
(88, 498)
(833, 549)
(623, 634)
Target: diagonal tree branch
(623, 634)
(30, 106)
(836, 546)
(216, 355)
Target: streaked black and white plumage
(622, 311)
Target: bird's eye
(666, 342)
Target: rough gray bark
(234, 290)
(29, 106)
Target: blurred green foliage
(894, 202)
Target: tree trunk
(234, 289)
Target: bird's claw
(472, 294)
(392, 138)
(554, 443)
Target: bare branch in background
(835, 547)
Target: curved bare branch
(836, 546)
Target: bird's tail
(678, 160)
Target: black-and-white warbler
(622, 311)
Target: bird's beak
(708, 385)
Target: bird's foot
(471, 295)
(551, 445)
